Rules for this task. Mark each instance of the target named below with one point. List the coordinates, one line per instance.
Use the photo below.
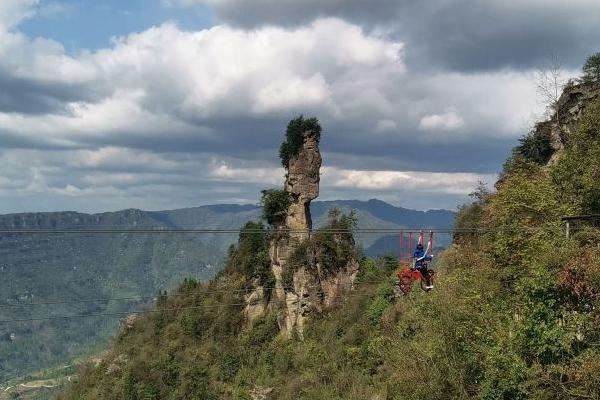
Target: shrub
(535, 147)
(504, 376)
(230, 365)
(373, 270)
(381, 301)
(294, 137)
(334, 244)
(591, 68)
(275, 204)
(470, 216)
(263, 330)
(298, 259)
(578, 170)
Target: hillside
(38, 268)
(514, 314)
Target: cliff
(305, 284)
(569, 109)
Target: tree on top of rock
(591, 68)
(294, 137)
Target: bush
(275, 204)
(374, 270)
(591, 68)
(294, 137)
(381, 301)
(535, 147)
(263, 330)
(578, 170)
(298, 259)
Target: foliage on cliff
(591, 68)
(275, 203)
(251, 255)
(331, 247)
(294, 137)
(514, 314)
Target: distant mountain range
(44, 268)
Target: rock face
(302, 183)
(312, 287)
(569, 109)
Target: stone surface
(312, 289)
(302, 183)
(256, 302)
(570, 108)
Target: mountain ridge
(44, 267)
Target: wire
(5, 321)
(141, 298)
(250, 231)
(113, 314)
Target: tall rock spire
(302, 183)
(304, 282)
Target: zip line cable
(127, 313)
(141, 298)
(250, 231)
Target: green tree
(294, 137)
(275, 203)
(591, 68)
(535, 147)
(577, 171)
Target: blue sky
(419, 100)
(90, 24)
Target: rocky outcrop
(569, 109)
(302, 183)
(256, 302)
(311, 287)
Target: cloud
(462, 35)
(220, 73)
(447, 121)
(268, 176)
(12, 12)
(169, 117)
(439, 182)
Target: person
(421, 261)
(421, 258)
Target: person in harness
(422, 258)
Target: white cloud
(12, 12)
(459, 183)
(269, 176)
(162, 77)
(447, 121)
(169, 117)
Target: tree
(536, 147)
(550, 84)
(591, 68)
(294, 137)
(275, 204)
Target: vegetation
(332, 247)
(578, 172)
(591, 68)
(275, 204)
(294, 137)
(515, 313)
(536, 148)
(251, 255)
(44, 268)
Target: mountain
(514, 313)
(42, 268)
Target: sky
(162, 104)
